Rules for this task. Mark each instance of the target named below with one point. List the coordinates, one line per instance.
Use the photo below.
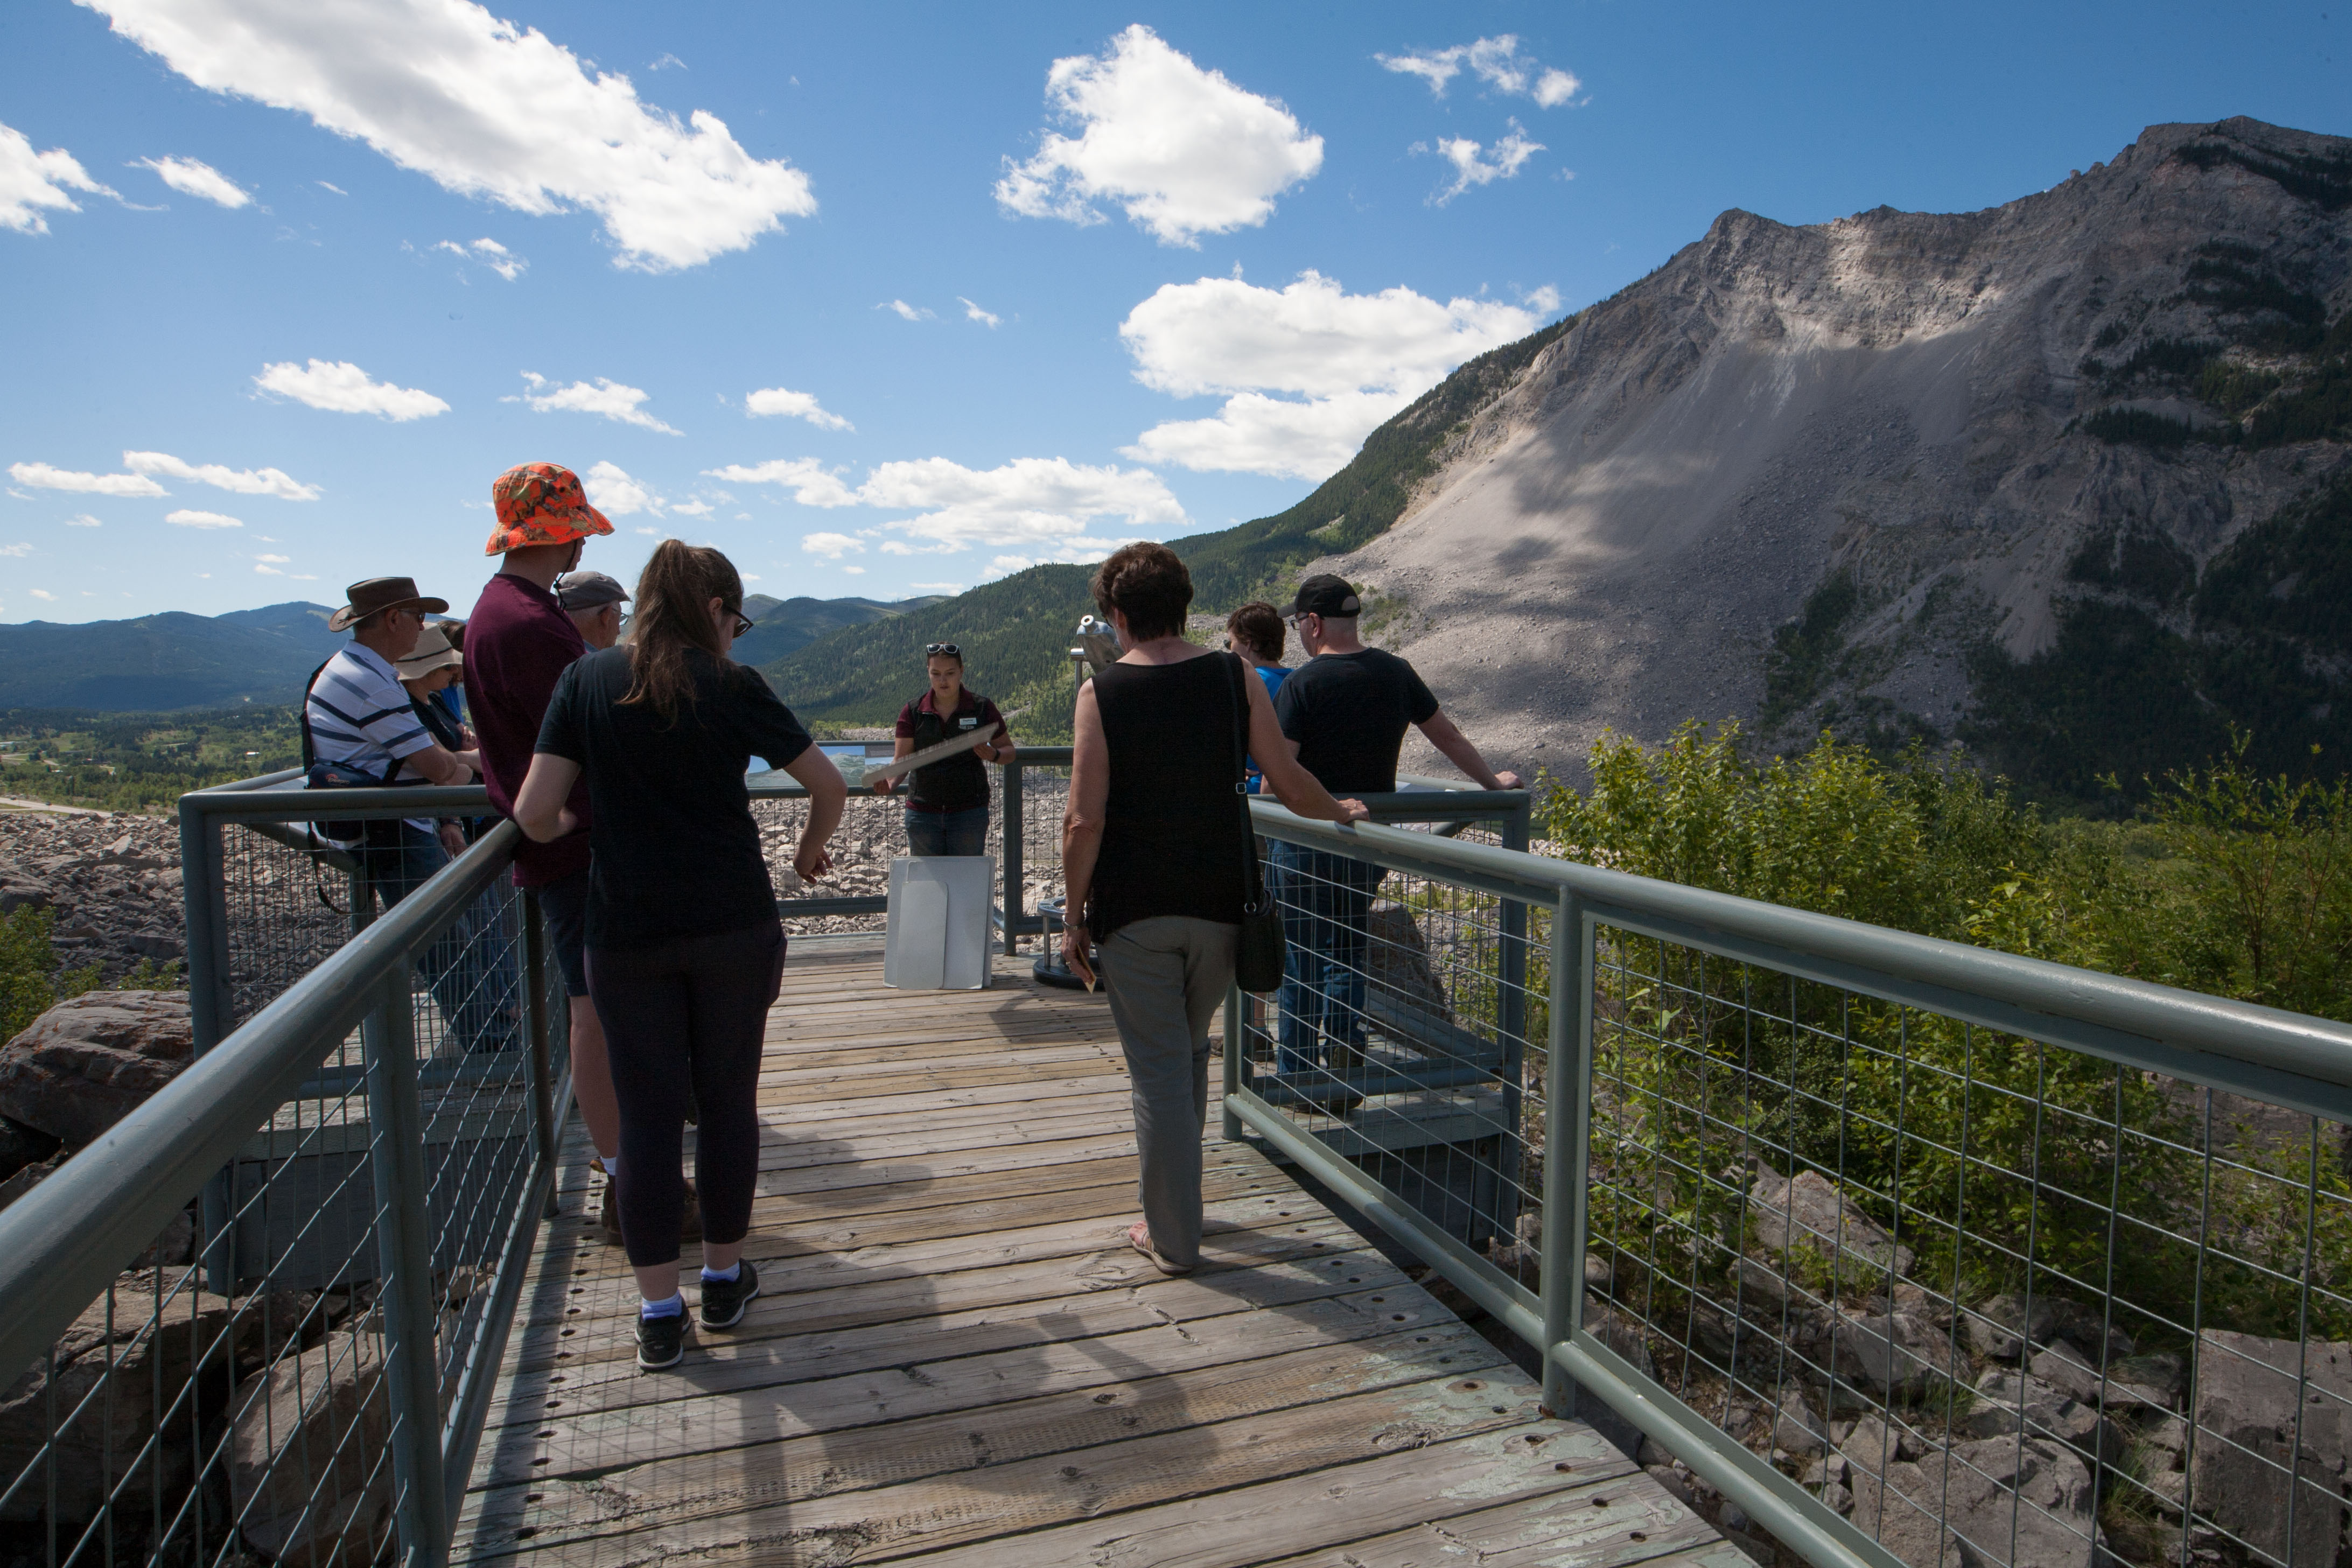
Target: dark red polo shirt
(518, 642)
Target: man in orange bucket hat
(518, 642)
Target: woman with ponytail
(685, 952)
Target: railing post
(1236, 1042)
(1016, 895)
(1511, 1023)
(534, 1017)
(204, 901)
(1567, 1142)
(405, 1257)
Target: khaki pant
(1166, 978)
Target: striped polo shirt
(359, 716)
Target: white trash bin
(939, 922)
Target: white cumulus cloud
(194, 177)
(1182, 150)
(483, 108)
(186, 518)
(83, 519)
(29, 180)
(831, 546)
(1496, 61)
(807, 478)
(490, 254)
(1031, 502)
(17, 551)
(972, 312)
(908, 312)
(606, 396)
(341, 387)
(1475, 165)
(612, 492)
(44, 594)
(40, 476)
(1347, 361)
(242, 482)
(784, 402)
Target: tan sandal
(1138, 1237)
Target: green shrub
(32, 979)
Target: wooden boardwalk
(959, 1361)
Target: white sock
(672, 1308)
(722, 1275)
(612, 1167)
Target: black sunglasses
(932, 650)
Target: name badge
(969, 723)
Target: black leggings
(686, 1017)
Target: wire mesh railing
(260, 1317)
(1914, 1253)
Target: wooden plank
(1038, 1495)
(956, 1359)
(1606, 1524)
(1123, 1390)
(1003, 1310)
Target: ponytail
(673, 614)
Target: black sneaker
(661, 1341)
(723, 1300)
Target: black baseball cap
(1325, 595)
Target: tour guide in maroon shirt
(518, 642)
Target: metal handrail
(2282, 1057)
(62, 1243)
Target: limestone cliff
(1923, 473)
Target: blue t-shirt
(1273, 675)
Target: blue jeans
(469, 968)
(1327, 908)
(948, 832)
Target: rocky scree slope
(2066, 478)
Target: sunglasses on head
(933, 650)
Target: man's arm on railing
(1440, 733)
(539, 808)
(827, 793)
(440, 766)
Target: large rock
(2006, 1403)
(308, 1470)
(1812, 1212)
(1897, 1357)
(151, 1359)
(1398, 960)
(2251, 1414)
(87, 1063)
(1998, 1328)
(1965, 1507)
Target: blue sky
(1003, 309)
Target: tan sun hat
(432, 652)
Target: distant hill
(158, 663)
(165, 663)
(787, 625)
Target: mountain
(176, 661)
(173, 661)
(2067, 479)
(2064, 479)
(785, 625)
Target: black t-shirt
(1349, 711)
(675, 851)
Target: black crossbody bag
(1258, 954)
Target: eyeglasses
(743, 627)
(933, 650)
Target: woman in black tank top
(1153, 849)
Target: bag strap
(1235, 674)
